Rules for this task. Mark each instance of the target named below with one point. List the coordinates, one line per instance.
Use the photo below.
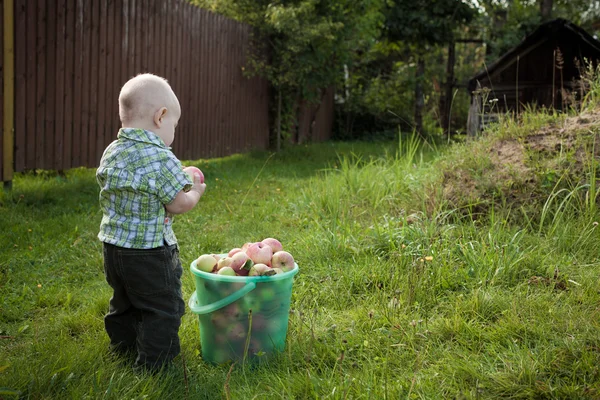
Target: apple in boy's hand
(191, 171)
(206, 263)
(273, 243)
(283, 260)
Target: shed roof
(543, 33)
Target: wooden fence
(72, 56)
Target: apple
(246, 245)
(284, 260)
(233, 251)
(251, 303)
(261, 270)
(273, 243)
(224, 262)
(206, 263)
(259, 323)
(236, 332)
(267, 294)
(191, 171)
(232, 312)
(219, 320)
(238, 263)
(260, 253)
(278, 271)
(226, 271)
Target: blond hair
(143, 95)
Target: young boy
(142, 184)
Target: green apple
(226, 271)
(206, 263)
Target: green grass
(398, 296)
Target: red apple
(238, 263)
(283, 260)
(260, 253)
(273, 243)
(206, 263)
(246, 245)
(191, 171)
(233, 251)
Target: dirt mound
(522, 171)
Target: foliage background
(370, 49)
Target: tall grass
(397, 295)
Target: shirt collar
(141, 135)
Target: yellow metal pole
(8, 125)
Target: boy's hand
(191, 171)
(199, 186)
(185, 201)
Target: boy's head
(148, 102)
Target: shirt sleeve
(172, 179)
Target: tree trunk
(313, 118)
(279, 121)
(419, 100)
(546, 9)
(446, 104)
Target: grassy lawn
(399, 295)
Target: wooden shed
(543, 69)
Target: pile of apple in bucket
(263, 258)
(256, 323)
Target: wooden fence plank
(59, 93)
(16, 12)
(193, 49)
(20, 84)
(117, 80)
(144, 53)
(50, 87)
(39, 131)
(109, 96)
(137, 37)
(69, 85)
(203, 128)
(93, 143)
(100, 108)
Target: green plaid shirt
(138, 175)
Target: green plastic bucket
(242, 318)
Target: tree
(506, 23)
(545, 9)
(425, 24)
(302, 46)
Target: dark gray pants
(146, 307)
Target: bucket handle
(208, 308)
